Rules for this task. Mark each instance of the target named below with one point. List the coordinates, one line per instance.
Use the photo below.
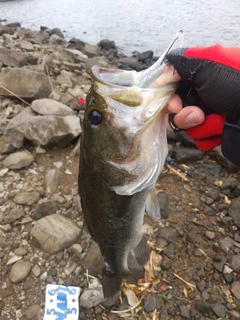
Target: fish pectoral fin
(142, 251)
(152, 205)
(111, 284)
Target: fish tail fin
(111, 284)
(142, 251)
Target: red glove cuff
(207, 135)
(227, 56)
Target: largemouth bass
(123, 150)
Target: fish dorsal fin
(142, 251)
(152, 205)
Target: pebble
(235, 289)
(235, 263)
(219, 310)
(18, 160)
(26, 198)
(20, 271)
(152, 302)
(92, 296)
(34, 312)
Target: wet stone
(152, 302)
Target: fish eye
(95, 117)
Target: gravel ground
(194, 268)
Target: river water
(133, 24)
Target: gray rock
(26, 198)
(34, 37)
(167, 234)
(185, 312)
(107, 44)
(14, 133)
(18, 160)
(151, 302)
(53, 179)
(48, 107)
(76, 249)
(92, 296)
(96, 61)
(226, 244)
(182, 155)
(70, 267)
(45, 208)
(228, 183)
(56, 40)
(7, 30)
(234, 211)
(58, 32)
(51, 131)
(25, 83)
(20, 271)
(34, 312)
(55, 233)
(130, 61)
(13, 215)
(91, 50)
(209, 211)
(13, 58)
(235, 288)
(163, 202)
(235, 262)
(219, 264)
(146, 55)
(219, 309)
(74, 56)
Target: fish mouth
(119, 88)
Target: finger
(189, 117)
(174, 105)
(169, 75)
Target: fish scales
(123, 149)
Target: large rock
(91, 50)
(51, 107)
(25, 83)
(13, 58)
(14, 132)
(46, 131)
(52, 131)
(5, 29)
(34, 37)
(55, 233)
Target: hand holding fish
(209, 88)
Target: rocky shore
(195, 264)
